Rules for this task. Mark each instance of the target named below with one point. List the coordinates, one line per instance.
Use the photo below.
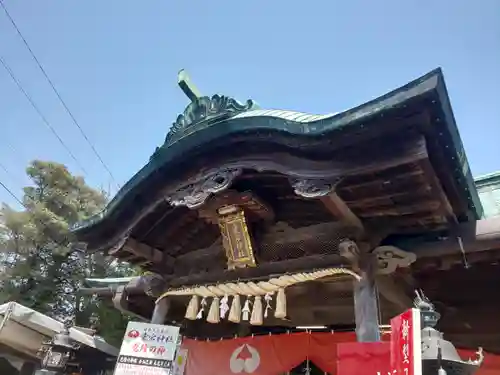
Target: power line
(44, 119)
(57, 93)
(4, 168)
(7, 172)
(11, 193)
(13, 151)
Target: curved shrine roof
(218, 131)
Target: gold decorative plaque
(235, 237)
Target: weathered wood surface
(366, 306)
(341, 211)
(481, 241)
(262, 271)
(478, 236)
(175, 231)
(160, 311)
(120, 302)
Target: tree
(41, 269)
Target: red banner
(363, 358)
(490, 365)
(406, 351)
(260, 355)
(271, 355)
(334, 353)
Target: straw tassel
(246, 309)
(202, 304)
(267, 298)
(280, 311)
(224, 306)
(235, 312)
(193, 307)
(213, 313)
(256, 318)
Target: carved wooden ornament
(390, 258)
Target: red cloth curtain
(491, 363)
(356, 358)
(276, 354)
(260, 355)
(334, 353)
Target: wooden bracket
(350, 251)
(120, 302)
(341, 211)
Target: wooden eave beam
(201, 255)
(263, 270)
(445, 207)
(481, 235)
(341, 211)
(414, 151)
(120, 302)
(422, 206)
(376, 156)
(144, 251)
(375, 182)
(377, 200)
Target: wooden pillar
(365, 291)
(366, 304)
(160, 311)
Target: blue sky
(115, 63)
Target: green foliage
(39, 268)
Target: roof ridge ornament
(202, 111)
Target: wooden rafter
(425, 206)
(444, 207)
(146, 252)
(376, 200)
(415, 153)
(341, 211)
(481, 235)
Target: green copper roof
(488, 187)
(208, 122)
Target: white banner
(147, 349)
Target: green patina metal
(488, 187)
(202, 113)
(207, 119)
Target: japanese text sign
(147, 349)
(406, 350)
